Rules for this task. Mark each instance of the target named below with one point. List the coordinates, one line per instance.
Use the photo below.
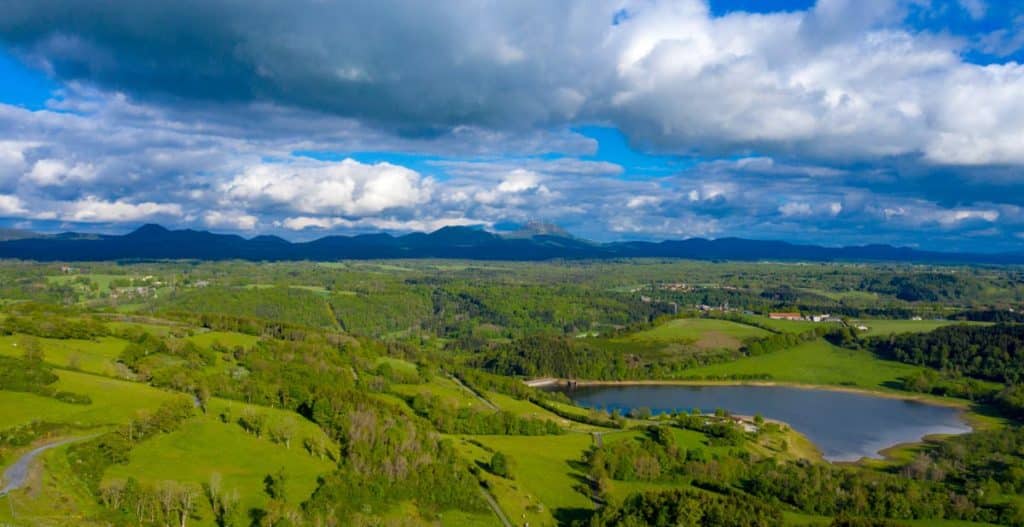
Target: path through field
(15, 475)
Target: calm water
(845, 426)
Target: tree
(282, 432)
(642, 412)
(501, 465)
(273, 485)
(31, 350)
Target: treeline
(546, 355)
(31, 375)
(554, 356)
(282, 304)
(654, 457)
(49, 325)
(923, 287)
(671, 508)
(782, 341)
(990, 315)
(450, 419)
(993, 353)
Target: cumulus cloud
(234, 220)
(299, 223)
(513, 188)
(11, 205)
(92, 209)
(346, 188)
(842, 79)
(832, 124)
(54, 172)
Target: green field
(702, 332)
(205, 446)
(101, 280)
(94, 356)
(514, 499)
(549, 469)
(878, 327)
(113, 402)
(816, 362)
(445, 389)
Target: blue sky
(834, 122)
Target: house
(785, 316)
(821, 318)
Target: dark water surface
(845, 426)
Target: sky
(836, 122)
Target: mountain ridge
(153, 241)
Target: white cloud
(12, 160)
(92, 209)
(54, 172)
(796, 209)
(348, 187)
(807, 82)
(512, 187)
(952, 217)
(637, 202)
(11, 205)
(299, 223)
(230, 220)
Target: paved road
(15, 475)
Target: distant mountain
(532, 242)
(537, 228)
(16, 234)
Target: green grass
(518, 504)
(54, 496)
(204, 446)
(445, 389)
(697, 330)
(155, 329)
(101, 280)
(816, 362)
(878, 327)
(113, 402)
(548, 468)
(95, 356)
(398, 365)
(529, 410)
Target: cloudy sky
(833, 122)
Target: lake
(846, 426)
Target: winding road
(15, 475)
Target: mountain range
(537, 243)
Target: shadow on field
(566, 516)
